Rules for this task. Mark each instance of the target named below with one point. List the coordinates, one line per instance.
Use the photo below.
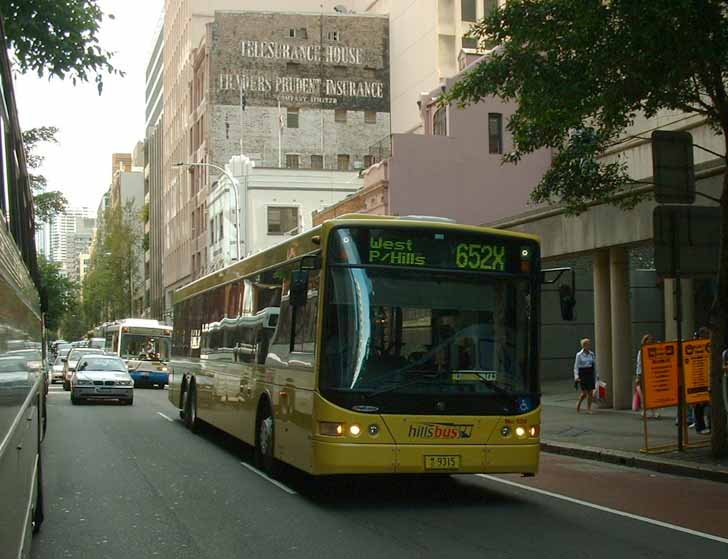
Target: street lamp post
(235, 185)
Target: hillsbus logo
(440, 431)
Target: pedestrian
(699, 409)
(646, 339)
(585, 375)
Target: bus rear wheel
(265, 441)
(190, 408)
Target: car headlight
(125, 383)
(82, 382)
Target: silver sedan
(101, 377)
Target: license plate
(442, 462)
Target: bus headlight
(331, 429)
(505, 431)
(520, 432)
(354, 430)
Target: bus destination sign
(430, 249)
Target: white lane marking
(57, 393)
(273, 481)
(606, 509)
(165, 417)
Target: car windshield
(58, 361)
(76, 354)
(459, 333)
(101, 364)
(144, 347)
(29, 354)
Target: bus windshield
(409, 331)
(144, 347)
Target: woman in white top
(585, 374)
(646, 339)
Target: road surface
(127, 482)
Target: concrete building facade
(427, 37)
(279, 203)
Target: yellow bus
(369, 345)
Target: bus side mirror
(567, 302)
(299, 288)
(567, 292)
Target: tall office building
(66, 236)
(153, 144)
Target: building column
(603, 321)
(623, 362)
(688, 302)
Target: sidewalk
(617, 436)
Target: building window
(495, 133)
(470, 43)
(317, 162)
(368, 161)
(370, 117)
(292, 33)
(467, 10)
(212, 231)
(342, 162)
(292, 121)
(340, 115)
(221, 228)
(282, 220)
(333, 36)
(291, 161)
(489, 6)
(439, 122)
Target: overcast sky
(92, 127)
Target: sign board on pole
(695, 231)
(672, 167)
(696, 364)
(659, 375)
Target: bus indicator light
(533, 431)
(331, 429)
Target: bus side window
(307, 317)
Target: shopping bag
(637, 399)
(601, 391)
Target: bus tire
(265, 440)
(190, 408)
(38, 509)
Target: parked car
(101, 377)
(71, 361)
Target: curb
(634, 460)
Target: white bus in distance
(144, 344)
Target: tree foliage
(58, 38)
(47, 204)
(61, 292)
(114, 268)
(581, 73)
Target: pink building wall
(455, 176)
